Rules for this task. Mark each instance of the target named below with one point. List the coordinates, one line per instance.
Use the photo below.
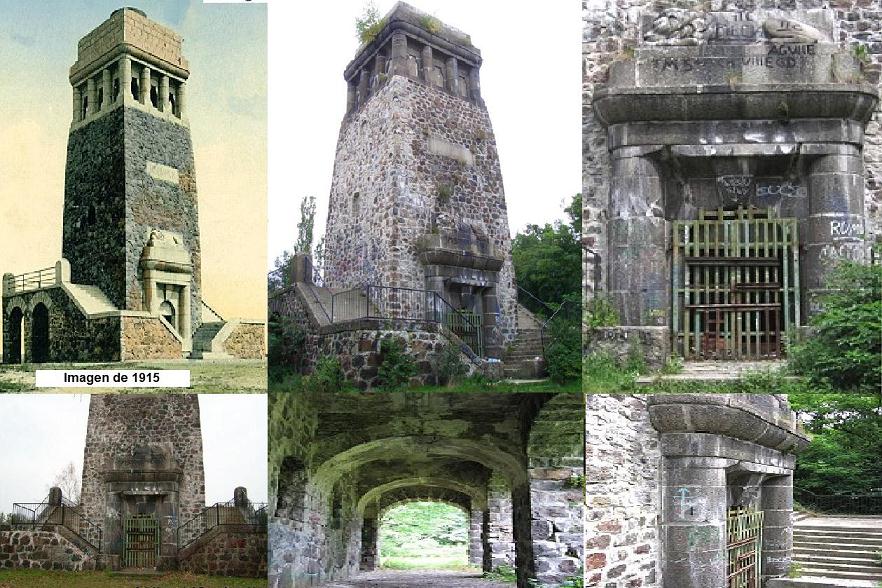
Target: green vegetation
(369, 24)
(424, 535)
(286, 346)
(502, 574)
(206, 377)
(795, 570)
(843, 351)
(396, 367)
(846, 433)
(547, 263)
(450, 367)
(47, 579)
(431, 24)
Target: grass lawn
(206, 377)
(44, 579)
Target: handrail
(216, 313)
(220, 514)
(30, 280)
(65, 514)
(868, 503)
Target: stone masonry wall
(556, 470)
(147, 338)
(238, 551)
(611, 29)
(95, 177)
(420, 191)
(72, 336)
(119, 424)
(623, 460)
(247, 341)
(154, 203)
(44, 550)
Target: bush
(286, 346)
(450, 367)
(844, 349)
(396, 367)
(328, 376)
(369, 24)
(563, 356)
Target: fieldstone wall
(229, 550)
(556, 463)
(94, 239)
(155, 203)
(44, 550)
(247, 341)
(623, 469)
(72, 336)
(148, 443)
(440, 176)
(147, 338)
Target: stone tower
(130, 205)
(417, 199)
(143, 459)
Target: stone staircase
(845, 551)
(202, 339)
(90, 298)
(525, 359)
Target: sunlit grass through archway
(424, 535)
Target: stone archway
(40, 333)
(16, 336)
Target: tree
(280, 276)
(548, 259)
(844, 350)
(846, 442)
(68, 479)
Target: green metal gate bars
(141, 548)
(735, 284)
(744, 539)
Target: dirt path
(421, 578)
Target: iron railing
(66, 514)
(408, 304)
(30, 281)
(220, 514)
(548, 312)
(859, 504)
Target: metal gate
(141, 548)
(744, 539)
(735, 284)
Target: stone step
(837, 545)
(845, 567)
(838, 559)
(826, 530)
(855, 538)
(800, 551)
(820, 571)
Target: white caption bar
(113, 378)
(234, 1)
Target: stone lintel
(714, 446)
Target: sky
(41, 434)
(226, 47)
(530, 80)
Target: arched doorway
(16, 335)
(40, 334)
(167, 311)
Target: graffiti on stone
(735, 189)
(849, 251)
(779, 188)
(843, 228)
(677, 26)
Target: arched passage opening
(40, 334)
(16, 335)
(423, 534)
